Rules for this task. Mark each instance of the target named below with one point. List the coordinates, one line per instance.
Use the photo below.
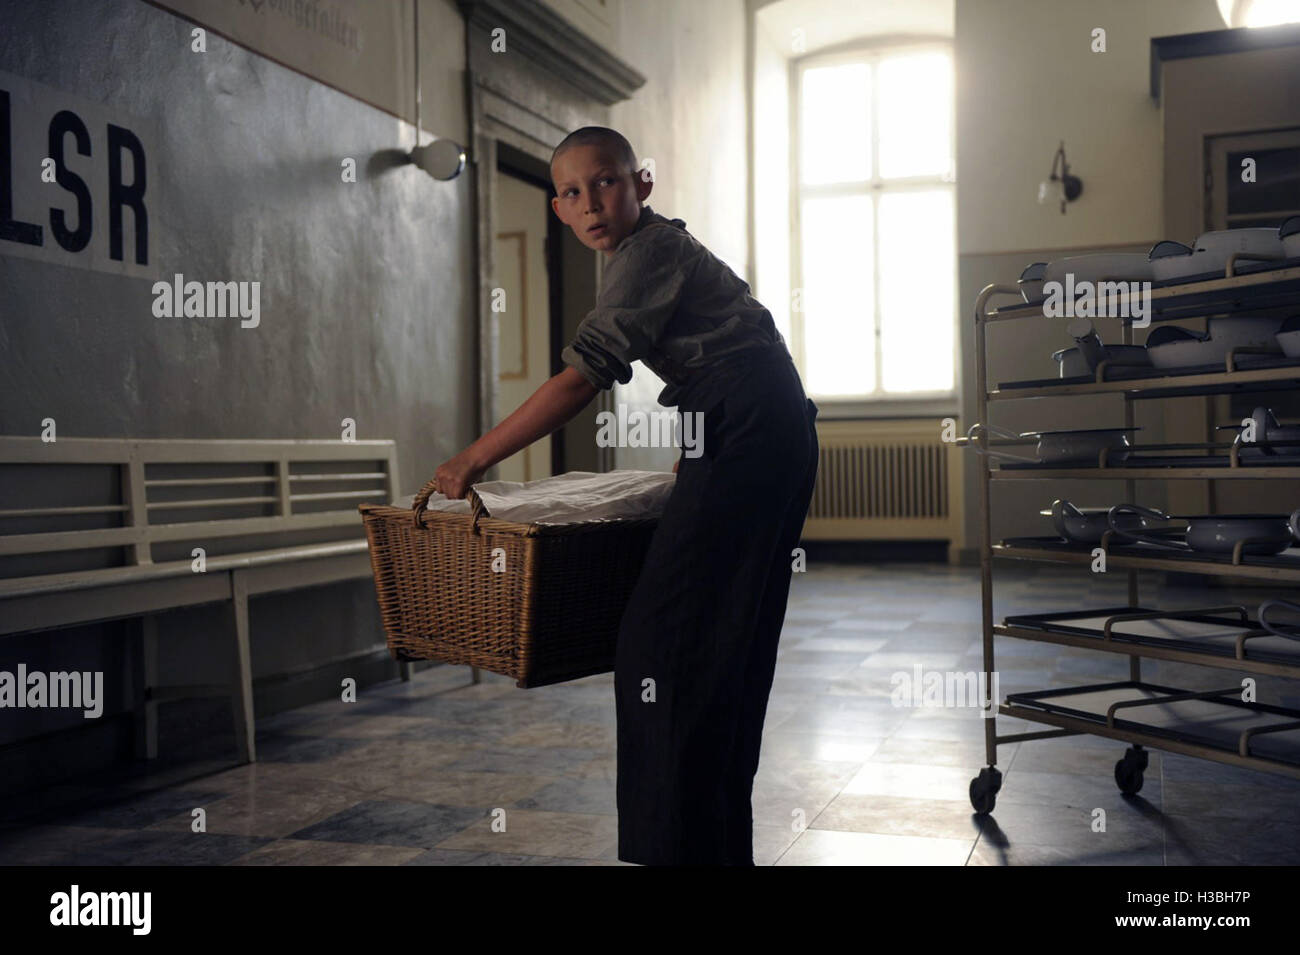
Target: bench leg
(405, 669)
(242, 687)
(144, 676)
(474, 676)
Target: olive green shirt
(671, 303)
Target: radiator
(885, 480)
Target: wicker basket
(551, 615)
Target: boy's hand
(455, 477)
(675, 463)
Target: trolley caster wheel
(1128, 771)
(984, 790)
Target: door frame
(520, 108)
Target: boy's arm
(548, 408)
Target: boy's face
(597, 199)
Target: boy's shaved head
(598, 193)
(610, 140)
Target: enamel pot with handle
(1087, 525)
(1256, 534)
(1057, 447)
(1270, 437)
(1290, 631)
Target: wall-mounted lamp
(441, 159)
(1061, 186)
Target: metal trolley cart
(1216, 724)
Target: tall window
(876, 255)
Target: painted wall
(689, 118)
(366, 301)
(1027, 79)
(772, 231)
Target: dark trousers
(697, 643)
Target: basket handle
(477, 509)
(420, 503)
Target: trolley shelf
(1223, 637)
(1123, 472)
(1257, 285)
(1216, 724)
(1283, 567)
(1265, 375)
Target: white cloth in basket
(573, 498)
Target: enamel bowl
(1265, 534)
(1087, 525)
(1288, 335)
(1031, 282)
(1172, 346)
(1073, 363)
(1227, 241)
(1289, 234)
(1102, 266)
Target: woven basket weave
(551, 615)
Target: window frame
(878, 402)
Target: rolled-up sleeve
(642, 288)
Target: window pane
(835, 107)
(915, 115)
(837, 295)
(917, 258)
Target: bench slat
(209, 502)
(202, 482)
(25, 449)
(351, 476)
(196, 531)
(338, 495)
(116, 576)
(60, 511)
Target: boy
(697, 642)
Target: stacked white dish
(1289, 233)
(1172, 346)
(1288, 336)
(1266, 431)
(1210, 253)
(1031, 282)
(1099, 267)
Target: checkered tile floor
(416, 773)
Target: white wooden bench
(98, 529)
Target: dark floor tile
(379, 822)
(158, 848)
(305, 749)
(138, 812)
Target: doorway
(545, 282)
(521, 300)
